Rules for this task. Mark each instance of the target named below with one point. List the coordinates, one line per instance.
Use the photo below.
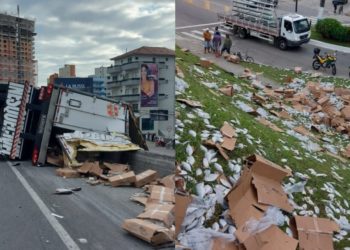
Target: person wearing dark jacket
(227, 45)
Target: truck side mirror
(310, 23)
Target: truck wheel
(235, 29)
(242, 33)
(282, 44)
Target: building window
(166, 59)
(147, 124)
(130, 59)
(159, 115)
(153, 59)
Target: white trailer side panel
(77, 111)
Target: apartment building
(17, 53)
(145, 78)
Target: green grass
(317, 36)
(221, 108)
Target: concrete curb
(329, 46)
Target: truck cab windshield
(301, 26)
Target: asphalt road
(92, 217)
(192, 14)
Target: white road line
(62, 233)
(191, 35)
(197, 25)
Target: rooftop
(157, 51)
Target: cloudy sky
(88, 33)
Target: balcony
(125, 82)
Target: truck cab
(294, 31)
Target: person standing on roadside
(217, 41)
(207, 40)
(227, 44)
(335, 4)
(340, 10)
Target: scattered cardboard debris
(228, 90)
(116, 167)
(148, 231)
(161, 194)
(181, 204)
(56, 160)
(67, 173)
(233, 59)
(269, 124)
(179, 72)
(227, 130)
(229, 143)
(159, 212)
(205, 63)
(193, 104)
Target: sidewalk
(236, 69)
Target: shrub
(333, 29)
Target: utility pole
(296, 5)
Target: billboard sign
(149, 85)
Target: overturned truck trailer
(30, 118)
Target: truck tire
(282, 44)
(235, 30)
(242, 33)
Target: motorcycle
(326, 62)
(159, 142)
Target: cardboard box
(159, 212)
(272, 238)
(324, 100)
(145, 177)
(222, 151)
(148, 231)
(181, 204)
(116, 167)
(269, 124)
(86, 167)
(315, 233)
(161, 194)
(67, 172)
(122, 179)
(228, 130)
(95, 169)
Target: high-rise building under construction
(17, 54)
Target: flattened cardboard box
(191, 103)
(272, 238)
(168, 181)
(161, 194)
(145, 178)
(86, 167)
(229, 143)
(223, 244)
(56, 160)
(315, 233)
(123, 179)
(243, 201)
(159, 212)
(148, 231)
(228, 130)
(67, 172)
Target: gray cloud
(89, 33)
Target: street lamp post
(296, 5)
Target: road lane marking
(191, 35)
(62, 233)
(197, 25)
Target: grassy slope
(221, 109)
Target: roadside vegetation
(279, 147)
